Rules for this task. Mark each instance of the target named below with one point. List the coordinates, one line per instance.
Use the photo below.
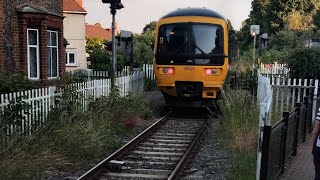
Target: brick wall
(13, 47)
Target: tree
(144, 44)
(258, 14)
(94, 43)
(277, 11)
(150, 27)
(316, 20)
(100, 57)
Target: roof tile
(71, 5)
(98, 31)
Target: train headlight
(168, 71)
(211, 72)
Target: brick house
(31, 39)
(74, 32)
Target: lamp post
(114, 6)
(254, 31)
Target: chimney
(79, 2)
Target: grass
(239, 125)
(74, 140)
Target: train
(191, 59)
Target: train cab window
(183, 43)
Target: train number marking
(189, 68)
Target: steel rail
(99, 168)
(180, 166)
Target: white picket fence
(274, 70)
(91, 74)
(287, 92)
(41, 101)
(148, 70)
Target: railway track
(159, 152)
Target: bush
(15, 82)
(75, 139)
(305, 63)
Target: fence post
(284, 143)
(306, 102)
(310, 108)
(296, 135)
(265, 152)
(315, 98)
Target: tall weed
(239, 125)
(75, 139)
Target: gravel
(212, 160)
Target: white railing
(273, 70)
(287, 92)
(91, 74)
(148, 70)
(41, 101)
(39, 104)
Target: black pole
(265, 152)
(114, 60)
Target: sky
(138, 13)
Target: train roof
(194, 12)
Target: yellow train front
(191, 56)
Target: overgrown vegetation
(74, 139)
(239, 126)
(15, 82)
(305, 63)
(101, 57)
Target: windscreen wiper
(202, 52)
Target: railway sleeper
(131, 176)
(149, 165)
(148, 171)
(155, 158)
(161, 149)
(176, 131)
(169, 141)
(174, 134)
(152, 153)
(171, 137)
(153, 144)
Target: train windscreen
(190, 44)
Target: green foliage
(239, 122)
(100, 59)
(284, 43)
(143, 45)
(75, 139)
(142, 54)
(243, 166)
(150, 27)
(13, 115)
(277, 11)
(273, 55)
(94, 43)
(316, 19)
(15, 82)
(288, 39)
(305, 63)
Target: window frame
(50, 46)
(28, 54)
(68, 58)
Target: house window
(33, 53)
(71, 59)
(52, 48)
